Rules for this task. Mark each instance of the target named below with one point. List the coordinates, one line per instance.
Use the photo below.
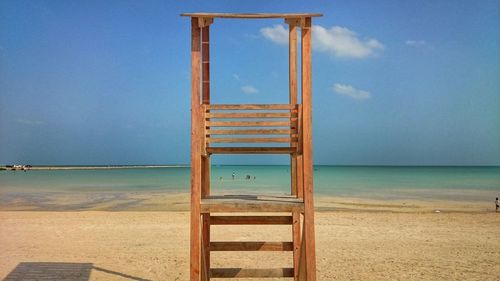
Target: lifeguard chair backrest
(262, 128)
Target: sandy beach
(360, 242)
(318, 140)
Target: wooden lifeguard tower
(265, 129)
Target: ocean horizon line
(145, 166)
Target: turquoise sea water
(453, 183)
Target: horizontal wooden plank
(250, 132)
(251, 140)
(237, 207)
(250, 115)
(251, 246)
(251, 204)
(251, 150)
(248, 124)
(250, 220)
(251, 15)
(251, 272)
(249, 106)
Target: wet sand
(168, 201)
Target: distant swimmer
(497, 205)
(233, 176)
(248, 177)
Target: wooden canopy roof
(251, 15)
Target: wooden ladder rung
(251, 246)
(251, 272)
(245, 220)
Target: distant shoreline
(104, 167)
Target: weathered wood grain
(251, 246)
(250, 272)
(196, 137)
(251, 150)
(251, 15)
(250, 107)
(307, 161)
(252, 132)
(250, 115)
(248, 123)
(251, 204)
(251, 140)
(251, 220)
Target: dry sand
(394, 244)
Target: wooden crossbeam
(250, 132)
(250, 272)
(251, 115)
(252, 15)
(248, 123)
(251, 246)
(250, 205)
(251, 150)
(251, 140)
(246, 220)
(239, 207)
(249, 106)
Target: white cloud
(415, 43)
(278, 34)
(237, 77)
(247, 89)
(251, 36)
(342, 42)
(30, 122)
(337, 41)
(350, 91)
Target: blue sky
(107, 82)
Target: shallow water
(448, 183)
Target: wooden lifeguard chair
(268, 129)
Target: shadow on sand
(44, 271)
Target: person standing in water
(497, 205)
(233, 176)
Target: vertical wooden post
(205, 189)
(195, 152)
(205, 62)
(296, 243)
(292, 60)
(205, 68)
(309, 237)
(300, 169)
(302, 259)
